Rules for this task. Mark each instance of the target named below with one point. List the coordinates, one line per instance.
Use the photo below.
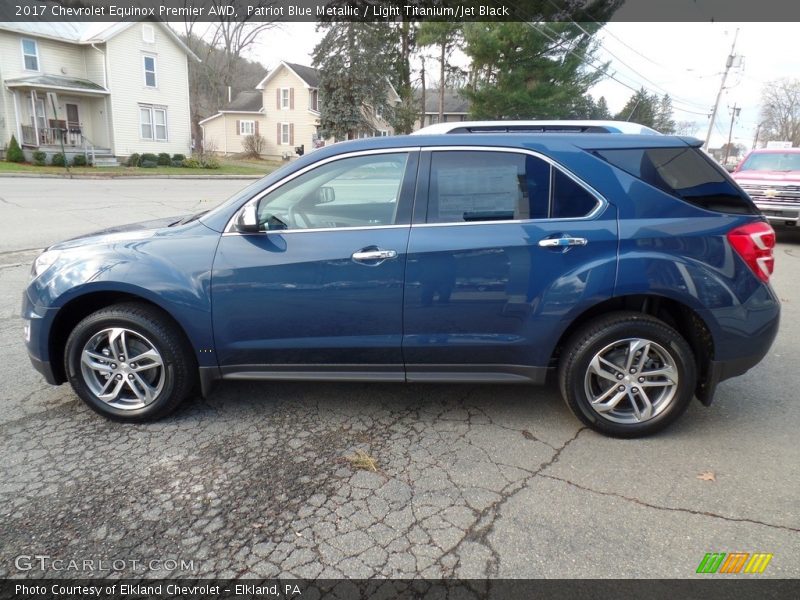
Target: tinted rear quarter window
(684, 172)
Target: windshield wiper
(188, 219)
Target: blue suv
(631, 267)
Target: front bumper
(780, 212)
(37, 327)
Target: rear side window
(487, 186)
(467, 186)
(683, 172)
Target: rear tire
(129, 362)
(627, 374)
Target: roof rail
(537, 127)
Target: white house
(108, 88)
(226, 131)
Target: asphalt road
(472, 481)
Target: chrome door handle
(563, 241)
(367, 255)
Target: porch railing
(51, 136)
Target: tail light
(755, 242)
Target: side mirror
(247, 221)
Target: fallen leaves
(707, 476)
(362, 460)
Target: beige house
(226, 131)
(288, 117)
(106, 89)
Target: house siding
(303, 120)
(220, 134)
(128, 91)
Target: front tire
(129, 362)
(627, 374)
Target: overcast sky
(684, 59)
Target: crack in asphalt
(700, 513)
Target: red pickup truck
(771, 176)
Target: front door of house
(73, 118)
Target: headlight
(43, 262)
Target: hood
(767, 176)
(121, 233)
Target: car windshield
(772, 161)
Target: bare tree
(780, 110)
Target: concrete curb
(116, 176)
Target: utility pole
(728, 65)
(734, 114)
(755, 137)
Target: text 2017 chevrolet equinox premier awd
(631, 265)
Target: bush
(164, 159)
(204, 161)
(39, 158)
(148, 164)
(149, 157)
(14, 152)
(59, 160)
(177, 163)
(254, 145)
(178, 157)
(79, 160)
(133, 160)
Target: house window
(247, 127)
(286, 134)
(313, 100)
(383, 133)
(148, 34)
(149, 70)
(285, 99)
(30, 54)
(153, 123)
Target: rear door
(506, 249)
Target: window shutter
(256, 130)
(238, 127)
(291, 98)
(279, 134)
(291, 134)
(278, 98)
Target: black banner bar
(728, 588)
(396, 10)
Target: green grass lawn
(229, 167)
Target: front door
(73, 118)
(320, 289)
(510, 246)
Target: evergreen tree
(353, 65)
(641, 108)
(527, 71)
(14, 152)
(601, 110)
(664, 122)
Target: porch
(56, 114)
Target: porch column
(33, 112)
(15, 96)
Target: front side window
(150, 71)
(684, 172)
(360, 191)
(30, 55)
(473, 186)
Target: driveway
(471, 481)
